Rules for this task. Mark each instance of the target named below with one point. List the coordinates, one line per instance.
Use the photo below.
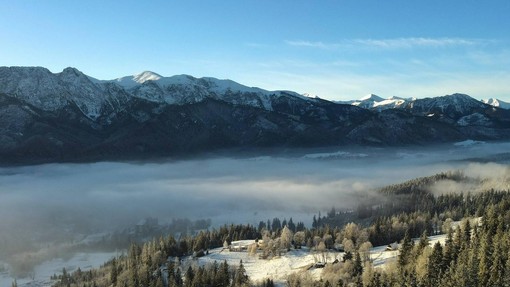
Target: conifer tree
(188, 277)
(497, 269)
(405, 250)
(485, 259)
(240, 277)
(358, 266)
(424, 242)
(113, 272)
(449, 249)
(435, 266)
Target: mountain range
(69, 116)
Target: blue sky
(333, 49)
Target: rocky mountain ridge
(70, 116)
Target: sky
(337, 50)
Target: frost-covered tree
(299, 238)
(286, 238)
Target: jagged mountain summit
(70, 116)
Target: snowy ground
(277, 268)
(294, 261)
(42, 273)
(380, 257)
(257, 269)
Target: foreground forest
(476, 251)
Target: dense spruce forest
(476, 251)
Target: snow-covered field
(280, 268)
(277, 268)
(43, 272)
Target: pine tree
(449, 249)
(485, 259)
(240, 277)
(188, 277)
(358, 267)
(405, 250)
(424, 242)
(435, 266)
(506, 275)
(497, 269)
(113, 272)
(224, 274)
(178, 277)
(472, 268)
(466, 234)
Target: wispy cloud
(414, 42)
(397, 43)
(309, 44)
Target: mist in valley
(46, 209)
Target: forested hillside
(474, 253)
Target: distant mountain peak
(72, 73)
(461, 99)
(146, 76)
(137, 79)
(372, 97)
(71, 70)
(460, 96)
(497, 103)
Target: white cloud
(309, 44)
(400, 43)
(396, 43)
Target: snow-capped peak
(371, 97)
(372, 101)
(137, 79)
(146, 76)
(497, 103)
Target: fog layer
(64, 202)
